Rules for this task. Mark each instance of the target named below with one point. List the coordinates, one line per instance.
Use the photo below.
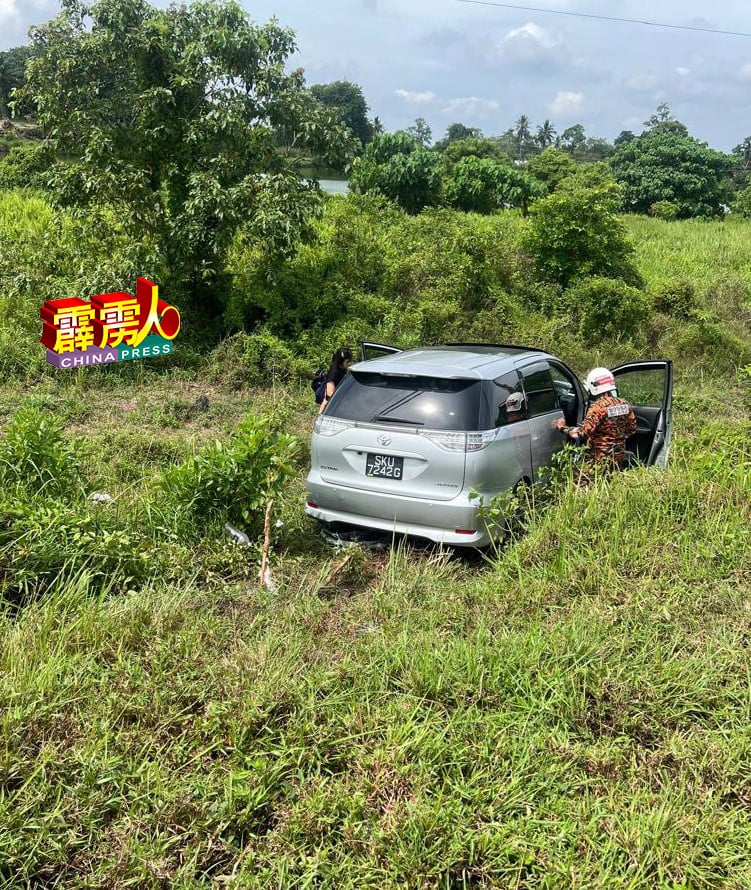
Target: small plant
(232, 481)
(36, 455)
(666, 210)
(511, 512)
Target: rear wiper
(387, 419)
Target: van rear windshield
(433, 403)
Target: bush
(605, 307)
(575, 233)
(26, 166)
(258, 358)
(231, 481)
(35, 455)
(676, 297)
(667, 210)
(742, 203)
(396, 166)
(707, 341)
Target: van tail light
(464, 442)
(330, 426)
(312, 504)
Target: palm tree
(545, 135)
(521, 131)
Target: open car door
(648, 387)
(376, 350)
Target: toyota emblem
(384, 440)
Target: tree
(742, 203)
(170, 116)
(545, 135)
(475, 147)
(661, 116)
(394, 165)
(551, 167)
(667, 166)
(573, 140)
(597, 149)
(575, 232)
(482, 185)
(662, 122)
(377, 125)
(12, 64)
(742, 162)
(623, 138)
(522, 134)
(421, 132)
(347, 101)
(455, 132)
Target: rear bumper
(435, 520)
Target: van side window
(509, 398)
(538, 386)
(565, 389)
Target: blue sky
(483, 66)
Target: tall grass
(575, 714)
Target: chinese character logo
(112, 327)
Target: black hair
(342, 355)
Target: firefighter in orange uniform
(609, 421)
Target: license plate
(387, 466)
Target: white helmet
(599, 380)
(515, 402)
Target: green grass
(700, 251)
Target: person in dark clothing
(340, 364)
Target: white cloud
(529, 43)
(684, 72)
(642, 82)
(415, 98)
(471, 105)
(745, 71)
(567, 103)
(9, 12)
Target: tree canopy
(12, 77)
(665, 165)
(169, 115)
(396, 166)
(483, 185)
(346, 99)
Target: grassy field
(572, 711)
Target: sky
(450, 61)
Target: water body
(334, 186)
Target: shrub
(36, 455)
(26, 166)
(606, 307)
(396, 166)
(667, 210)
(231, 481)
(257, 358)
(575, 232)
(705, 339)
(676, 297)
(742, 203)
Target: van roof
(453, 361)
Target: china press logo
(113, 327)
